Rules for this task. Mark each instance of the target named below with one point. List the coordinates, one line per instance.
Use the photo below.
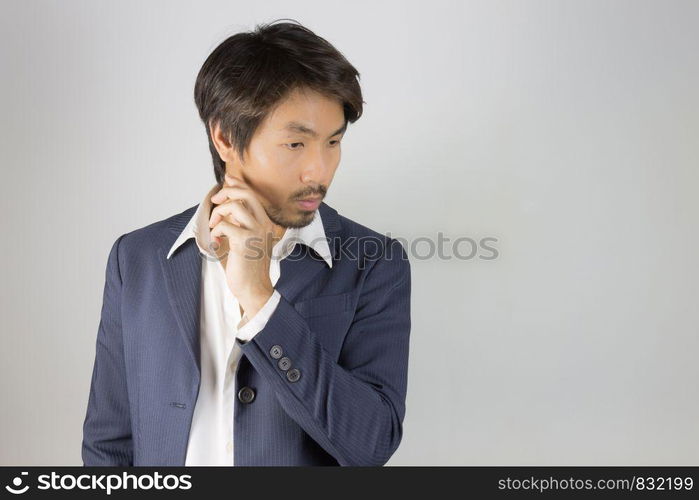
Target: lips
(309, 203)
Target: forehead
(308, 109)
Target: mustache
(309, 194)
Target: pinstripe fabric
(346, 329)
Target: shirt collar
(312, 235)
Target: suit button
(246, 395)
(276, 351)
(293, 375)
(284, 363)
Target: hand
(240, 218)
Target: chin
(295, 217)
(303, 220)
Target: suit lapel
(182, 273)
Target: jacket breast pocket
(324, 305)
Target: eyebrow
(302, 129)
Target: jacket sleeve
(107, 426)
(353, 407)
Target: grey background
(566, 130)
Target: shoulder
(374, 251)
(148, 239)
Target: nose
(318, 169)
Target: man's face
(293, 155)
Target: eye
(292, 144)
(337, 143)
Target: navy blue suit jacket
(345, 329)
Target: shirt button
(284, 363)
(246, 395)
(229, 447)
(293, 375)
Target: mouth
(309, 203)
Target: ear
(225, 149)
(221, 142)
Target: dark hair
(249, 73)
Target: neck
(278, 232)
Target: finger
(225, 229)
(231, 193)
(235, 181)
(236, 211)
(240, 193)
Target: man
(260, 326)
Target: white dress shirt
(211, 432)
